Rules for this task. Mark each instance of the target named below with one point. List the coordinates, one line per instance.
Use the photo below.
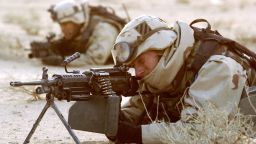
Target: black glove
(128, 133)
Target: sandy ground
(24, 20)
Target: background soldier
(87, 29)
(166, 62)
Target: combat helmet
(139, 35)
(70, 11)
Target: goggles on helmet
(123, 52)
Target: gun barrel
(18, 83)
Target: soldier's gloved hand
(128, 133)
(54, 60)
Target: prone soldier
(184, 68)
(90, 30)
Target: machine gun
(41, 49)
(99, 89)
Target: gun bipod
(50, 103)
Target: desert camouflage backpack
(210, 42)
(109, 14)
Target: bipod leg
(65, 123)
(47, 105)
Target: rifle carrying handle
(71, 58)
(198, 21)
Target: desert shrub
(210, 126)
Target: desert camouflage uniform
(95, 40)
(179, 93)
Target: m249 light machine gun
(41, 49)
(98, 92)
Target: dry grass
(28, 91)
(22, 90)
(211, 126)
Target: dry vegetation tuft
(28, 91)
(211, 126)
